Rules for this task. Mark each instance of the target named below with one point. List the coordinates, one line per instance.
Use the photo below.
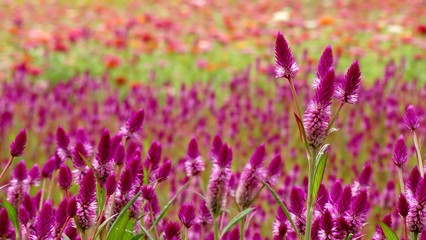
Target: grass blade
(119, 226)
(145, 232)
(319, 174)
(283, 207)
(13, 216)
(389, 234)
(235, 220)
(102, 226)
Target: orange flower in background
(111, 61)
(326, 20)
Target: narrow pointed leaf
(319, 174)
(235, 220)
(119, 226)
(13, 216)
(102, 226)
(389, 234)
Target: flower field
(215, 120)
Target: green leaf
(139, 236)
(389, 234)
(350, 236)
(102, 226)
(319, 174)
(13, 216)
(163, 212)
(145, 232)
(65, 237)
(283, 207)
(88, 163)
(119, 226)
(299, 122)
(235, 220)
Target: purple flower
(379, 235)
(43, 226)
(298, 209)
(357, 214)
(133, 125)
(400, 155)
(18, 185)
(216, 147)
(6, 229)
(326, 226)
(72, 207)
(17, 147)
(119, 155)
(148, 193)
(63, 143)
(48, 168)
(194, 164)
(280, 226)
(154, 156)
(325, 63)
(186, 215)
(103, 164)
(171, 231)
(86, 201)
(347, 89)
(317, 115)
(274, 169)
(217, 188)
(205, 217)
(65, 177)
(249, 182)
(164, 171)
(416, 218)
(411, 120)
(110, 184)
(23, 215)
(60, 216)
(403, 206)
(286, 64)
(78, 154)
(34, 175)
(20, 173)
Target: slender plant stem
(7, 167)
(405, 229)
(52, 184)
(216, 229)
(310, 201)
(62, 229)
(419, 155)
(293, 92)
(185, 234)
(101, 215)
(336, 114)
(42, 193)
(203, 229)
(401, 180)
(242, 231)
(154, 227)
(414, 236)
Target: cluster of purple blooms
(83, 187)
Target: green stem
(216, 229)
(336, 114)
(7, 167)
(185, 234)
(101, 215)
(401, 180)
(310, 201)
(42, 193)
(293, 92)
(242, 231)
(405, 229)
(418, 154)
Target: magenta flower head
(284, 59)
(63, 143)
(249, 182)
(416, 218)
(65, 177)
(23, 215)
(20, 172)
(17, 147)
(317, 115)
(186, 215)
(72, 207)
(103, 164)
(280, 226)
(79, 153)
(111, 184)
(205, 217)
(86, 201)
(194, 164)
(164, 171)
(216, 147)
(297, 208)
(411, 120)
(6, 229)
(218, 186)
(400, 154)
(119, 155)
(347, 89)
(133, 125)
(325, 63)
(60, 216)
(148, 193)
(43, 225)
(274, 169)
(403, 206)
(357, 213)
(154, 156)
(34, 175)
(171, 231)
(48, 168)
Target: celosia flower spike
(411, 120)
(400, 154)
(17, 147)
(347, 89)
(286, 64)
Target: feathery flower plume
(357, 214)
(326, 226)
(48, 168)
(148, 193)
(186, 215)
(416, 218)
(249, 183)
(63, 143)
(18, 185)
(298, 209)
(172, 231)
(119, 155)
(274, 169)
(111, 184)
(286, 65)
(103, 164)
(411, 120)
(403, 206)
(6, 230)
(60, 216)
(325, 63)
(194, 164)
(64, 177)
(164, 171)
(347, 89)
(43, 226)
(154, 156)
(72, 207)
(317, 115)
(216, 147)
(86, 201)
(400, 154)
(217, 188)
(280, 226)
(133, 125)
(34, 175)
(17, 147)
(205, 217)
